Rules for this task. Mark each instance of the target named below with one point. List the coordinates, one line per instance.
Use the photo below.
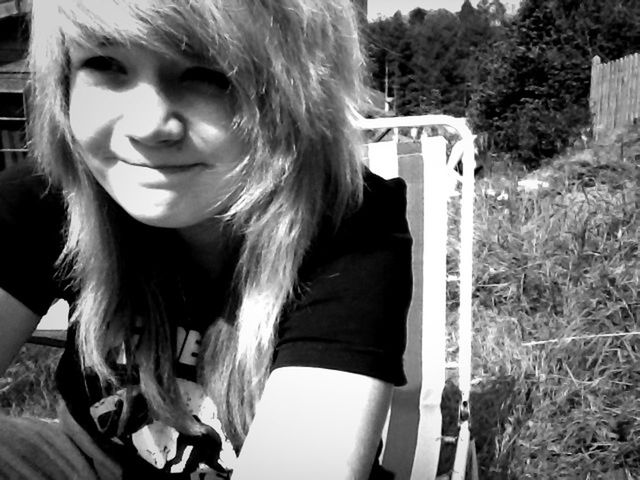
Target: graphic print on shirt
(207, 456)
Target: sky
(386, 8)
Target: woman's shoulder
(31, 222)
(355, 286)
(380, 218)
(24, 188)
(384, 204)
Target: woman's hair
(295, 69)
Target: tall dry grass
(28, 386)
(552, 264)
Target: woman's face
(155, 132)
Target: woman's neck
(208, 245)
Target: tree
(417, 16)
(429, 58)
(534, 91)
(494, 11)
(383, 41)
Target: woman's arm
(315, 423)
(17, 323)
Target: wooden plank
(6, 154)
(16, 67)
(607, 98)
(629, 80)
(626, 79)
(631, 90)
(635, 99)
(617, 94)
(49, 338)
(12, 148)
(597, 121)
(13, 84)
(616, 86)
(8, 9)
(594, 97)
(52, 329)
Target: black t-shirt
(355, 286)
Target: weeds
(551, 264)
(28, 386)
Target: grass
(28, 386)
(551, 264)
(556, 263)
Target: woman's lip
(164, 168)
(160, 175)
(172, 168)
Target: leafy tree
(383, 39)
(417, 16)
(494, 11)
(475, 37)
(429, 59)
(436, 62)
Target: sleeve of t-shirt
(355, 289)
(31, 217)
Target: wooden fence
(615, 94)
(14, 7)
(12, 123)
(13, 81)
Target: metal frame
(434, 255)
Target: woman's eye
(206, 76)
(104, 65)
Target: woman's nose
(152, 119)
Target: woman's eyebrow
(95, 41)
(194, 54)
(109, 42)
(83, 46)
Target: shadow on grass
(493, 406)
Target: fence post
(635, 99)
(629, 95)
(610, 79)
(595, 95)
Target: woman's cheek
(91, 113)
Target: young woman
(239, 282)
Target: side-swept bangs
(294, 66)
(174, 29)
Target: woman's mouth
(159, 174)
(163, 167)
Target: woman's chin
(166, 216)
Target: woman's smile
(162, 175)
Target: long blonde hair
(295, 68)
